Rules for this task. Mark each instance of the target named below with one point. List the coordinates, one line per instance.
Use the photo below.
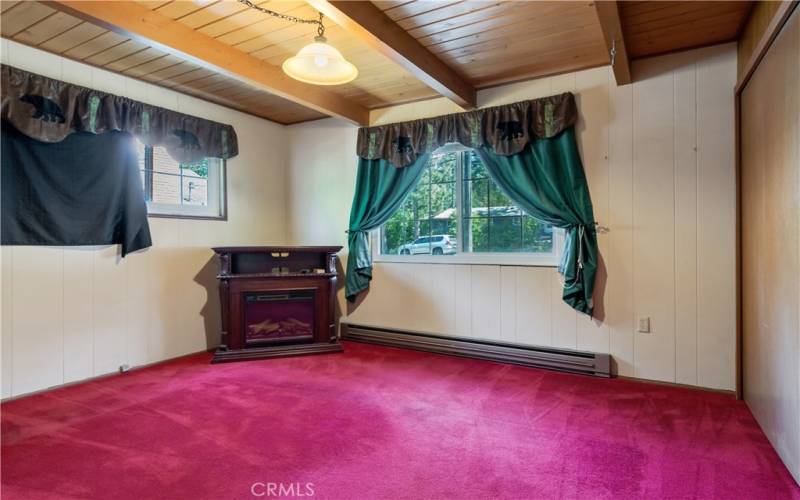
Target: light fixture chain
(317, 63)
(286, 17)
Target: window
(174, 189)
(457, 213)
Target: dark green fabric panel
(547, 181)
(84, 190)
(380, 190)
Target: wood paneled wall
(758, 21)
(659, 156)
(69, 313)
(770, 204)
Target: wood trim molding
(611, 24)
(737, 118)
(370, 25)
(780, 17)
(725, 392)
(157, 30)
(116, 373)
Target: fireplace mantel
(277, 301)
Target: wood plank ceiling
(498, 42)
(41, 26)
(653, 28)
(486, 42)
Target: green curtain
(380, 190)
(547, 181)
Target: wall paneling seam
(696, 214)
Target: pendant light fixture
(318, 63)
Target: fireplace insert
(279, 316)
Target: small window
(173, 189)
(456, 213)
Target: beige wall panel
(686, 229)
(439, 311)
(508, 304)
(103, 312)
(564, 83)
(654, 217)
(637, 143)
(109, 297)
(716, 219)
(564, 319)
(593, 102)
(78, 313)
(36, 61)
(486, 299)
(140, 300)
(77, 74)
(532, 305)
(463, 295)
(37, 314)
(619, 254)
(640, 175)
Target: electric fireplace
(279, 316)
(277, 301)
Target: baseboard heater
(565, 360)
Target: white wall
(69, 313)
(659, 156)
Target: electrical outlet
(644, 324)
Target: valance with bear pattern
(506, 129)
(49, 110)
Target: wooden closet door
(770, 203)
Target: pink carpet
(381, 423)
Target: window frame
(534, 259)
(218, 210)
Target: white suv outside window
(439, 244)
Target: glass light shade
(320, 64)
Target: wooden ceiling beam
(611, 24)
(150, 27)
(369, 24)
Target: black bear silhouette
(403, 144)
(188, 139)
(509, 130)
(46, 109)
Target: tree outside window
(457, 208)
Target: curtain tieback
(579, 258)
(597, 228)
(581, 237)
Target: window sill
(188, 216)
(489, 259)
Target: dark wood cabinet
(277, 301)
